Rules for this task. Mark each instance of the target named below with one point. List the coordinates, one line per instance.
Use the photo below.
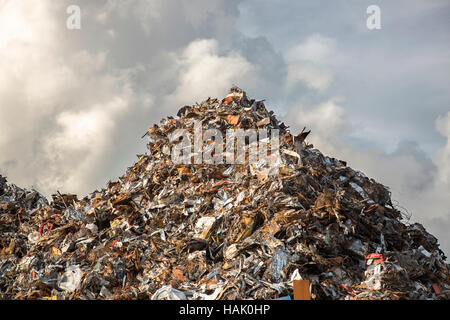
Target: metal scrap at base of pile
(165, 231)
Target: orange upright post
(301, 290)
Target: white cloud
(316, 48)
(80, 144)
(327, 122)
(443, 155)
(203, 70)
(308, 63)
(312, 76)
(58, 105)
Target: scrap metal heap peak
(219, 231)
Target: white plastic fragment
(71, 279)
(168, 293)
(93, 227)
(204, 223)
(34, 237)
(231, 252)
(373, 276)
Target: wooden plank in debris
(301, 290)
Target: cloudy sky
(75, 102)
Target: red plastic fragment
(436, 288)
(375, 256)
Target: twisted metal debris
(219, 231)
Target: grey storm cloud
(74, 103)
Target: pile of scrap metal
(168, 230)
